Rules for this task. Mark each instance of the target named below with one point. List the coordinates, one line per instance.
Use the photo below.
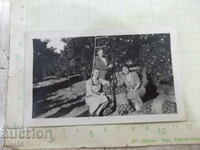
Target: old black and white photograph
(111, 78)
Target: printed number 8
(162, 131)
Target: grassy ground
(69, 101)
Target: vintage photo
(101, 78)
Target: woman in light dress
(135, 90)
(95, 97)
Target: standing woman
(135, 90)
(102, 64)
(95, 98)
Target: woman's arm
(104, 82)
(137, 80)
(100, 64)
(120, 82)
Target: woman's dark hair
(100, 49)
(126, 66)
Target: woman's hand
(110, 66)
(102, 94)
(104, 82)
(107, 83)
(119, 84)
(133, 89)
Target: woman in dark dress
(102, 64)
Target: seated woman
(135, 90)
(95, 98)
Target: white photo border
(28, 83)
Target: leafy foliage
(149, 50)
(45, 60)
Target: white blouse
(94, 88)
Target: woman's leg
(141, 91)
(93, 104)
(135, 99)
(138, 103)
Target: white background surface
(4, 42)
(4, 52)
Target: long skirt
(95, 101)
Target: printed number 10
(162, 131)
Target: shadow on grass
(46, 106)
